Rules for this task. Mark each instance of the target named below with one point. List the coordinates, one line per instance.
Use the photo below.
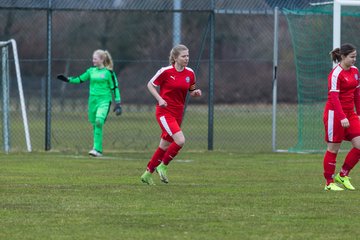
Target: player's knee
(180, 141)
(99, 122)
(179, 138)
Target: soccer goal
(315, 31)
(337, 19)
(5, 45)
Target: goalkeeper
(103, 88)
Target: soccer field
(211, 195)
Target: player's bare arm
(154, 92)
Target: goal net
(5, 83)
(312, 37)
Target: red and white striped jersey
(174, 85)
(345, 82)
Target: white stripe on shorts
(165, 125)
(330, 130)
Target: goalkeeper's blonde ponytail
(108, 62)
(105, 55)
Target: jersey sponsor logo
(187, 79)
(172, 77)
(356, 77)
(102, 75)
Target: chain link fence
(139, 35)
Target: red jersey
(345, 82)
(174, 86)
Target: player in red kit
(340, 120)
(174, 82)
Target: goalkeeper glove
(117, 109)
(62, 78)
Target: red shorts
(169, 125)
(335, 133)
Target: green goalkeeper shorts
(99, 107)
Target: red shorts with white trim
(335, 133)
(169, 125)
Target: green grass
(211, 195)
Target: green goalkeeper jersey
(103, 82)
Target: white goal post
(337, 19)
(6, 96)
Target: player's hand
(162, 103)
(196, 93)
(62, 78)
(117, 109)
(345, 123)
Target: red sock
(352, 158)
(155, 160)
(171, 153)
(329, 166)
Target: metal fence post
(275, 65)
(48, 81)
(211, 79)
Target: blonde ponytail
(108, 62)
(106, 57)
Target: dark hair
(344, 50)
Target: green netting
(312, 37)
